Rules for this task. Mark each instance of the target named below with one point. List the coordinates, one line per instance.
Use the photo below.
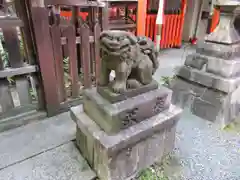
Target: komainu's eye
(121, 38)
(142, 42)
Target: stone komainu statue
(134, 60)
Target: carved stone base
(106, 93)
(217, 66)
(112, 118)
(227, 52)
(123, 155)
(208, 79)
(216, 106)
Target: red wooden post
(147, 25)
(141, 17)
(174, 29)
(171, 16)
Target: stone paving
(43, 150)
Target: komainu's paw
(119, 87)
(102, 83)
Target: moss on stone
(234, 126)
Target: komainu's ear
(104, 34)
(132, 38)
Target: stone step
(61, 163)
(25, 142)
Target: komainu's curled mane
(134, 60)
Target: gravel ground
(203, 150)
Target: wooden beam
(7, 22)
(10, 72)
(73, 3)
(78, 40)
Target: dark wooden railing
(68, 51)
(46, 61)
(20, 99)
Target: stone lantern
(209, 81)
(225, 32)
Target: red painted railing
(171, 29)
(68, 14)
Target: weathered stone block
(196, 61)
(223, 51)
(213, 105)
(217, 66)
(112, 118)
(123, 155)
(106, 92)
(208, 79)
(223, 68)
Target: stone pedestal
(113, 118)
(122, 155)
(120, 139)
(209, 81)
(128, 123)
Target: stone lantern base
(209, 81)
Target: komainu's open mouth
(114, 46)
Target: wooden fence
(46, 61)
(67, 50)
(20, 93)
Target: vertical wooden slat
(76, 21)
(147, 25)
(171, 30)
(105, 16)
(16, 61)
(22, 86)
(151, 27)
(85, 55)
(69, 33)
(46, 58)
(58, 56)
(155, 28)
(6, 100)
(13, 47)
(23, 12)
(178, 29)
(91, 19)
(97, 31)
(167, 30)
(1, 63)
